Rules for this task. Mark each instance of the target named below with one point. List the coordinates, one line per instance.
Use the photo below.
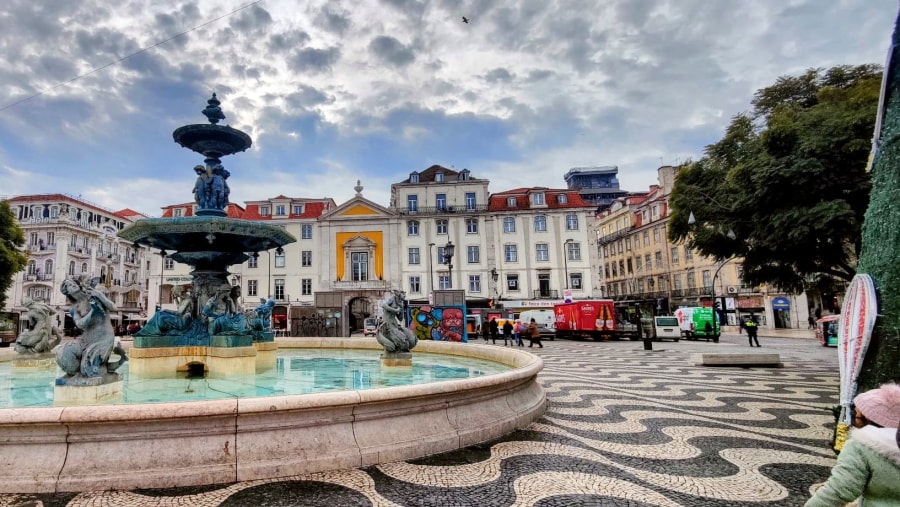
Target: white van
(545, 319)
(666, 327)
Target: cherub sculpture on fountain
(88, 355)
(392, 334)
(41, 335)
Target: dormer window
(511, 202)
(537, 199)
(563, 199)
(464, 175)
(298, 209)
(413, 177)
(439, 177)
(176, 212)
(279, 210)
(264, 211)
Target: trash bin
(648, 343)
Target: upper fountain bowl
(213, 141)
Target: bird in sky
(465, 20)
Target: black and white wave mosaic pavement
(625, 427)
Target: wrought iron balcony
(443, 210)
(545, 294)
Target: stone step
(737, 359)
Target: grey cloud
(335, 22)
(539, 75)
(251, 21)
(56, 68)
(313, 59)
(103, 44)
(287, 41)
(499, 75)
(392, 51)
(307, 97)
(411, 8)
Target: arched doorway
(359, 308)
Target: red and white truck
(595, 319)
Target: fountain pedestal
(46, 360)
(88, 390)
(396, 359)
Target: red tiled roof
(61, 197)
(128, 213)
(311, 209)
(232, 211)
(497, 201)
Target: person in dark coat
(494, 330)
(486, 331)
(534, 334)
(507, 332)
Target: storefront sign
(179, 279)
(750, 302)
(543, 303)
(781, 304)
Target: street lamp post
(162, 266)
(566, 260)
(448, 257)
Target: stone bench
(737, 359)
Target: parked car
(827, 330)
(370, 326)
(545, 320)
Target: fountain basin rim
(524, 364)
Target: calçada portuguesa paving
(625, 427)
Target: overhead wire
(120, 60)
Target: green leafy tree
(12, 259)
(786, 188)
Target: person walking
(494, 329)
(869, 463)
(534, 334)
(812, 322)
(751, 326)
(486, 331)
(518, 328)
(507, 333)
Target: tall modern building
(597, 185)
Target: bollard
(648, 344)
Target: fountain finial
(212, 111)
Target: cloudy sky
(332, 91)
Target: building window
(688, 254)
(415, 285)
(298, 209)
(306, 231)
(359, 266)
(439, 177)
(537, 199)
(51, 238)
(279, 210)
(176, 212)
(252, 288)
(440, 202)
(441, 226)
(475, 283)
(509, 224)
(168, 264)
(573, 251)
(470, 201)
(510, 253)
(264, 211)
(444, 282)
(279, 289)
(542, 252)
(628, 265)
(279, 260)
(674, 251)
(84, 267)
(659, 261)
(306, 287)
(691, 280)
(472, 254)
(440, 256)
(511, 202)
(656, 234)
(71, 268)
(707, 278)
(540, 223)
(646, 238)
(306, 258)
(414, 178)
(472, 226)
(575, 280)
(253, 261)
(647, 263)
(512, 283)
(572, 222)
(48, 267)
(562, 199)
(637, 263)
(628, 244)
(414, 255)
(412, 228)
(412, 203)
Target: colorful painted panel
(440, 323)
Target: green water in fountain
(296, 371)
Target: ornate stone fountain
(209, 328)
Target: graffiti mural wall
(443, 323)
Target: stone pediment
(359, 242)
(357, 208)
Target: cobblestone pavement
(625, 427)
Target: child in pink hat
(868, 467)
